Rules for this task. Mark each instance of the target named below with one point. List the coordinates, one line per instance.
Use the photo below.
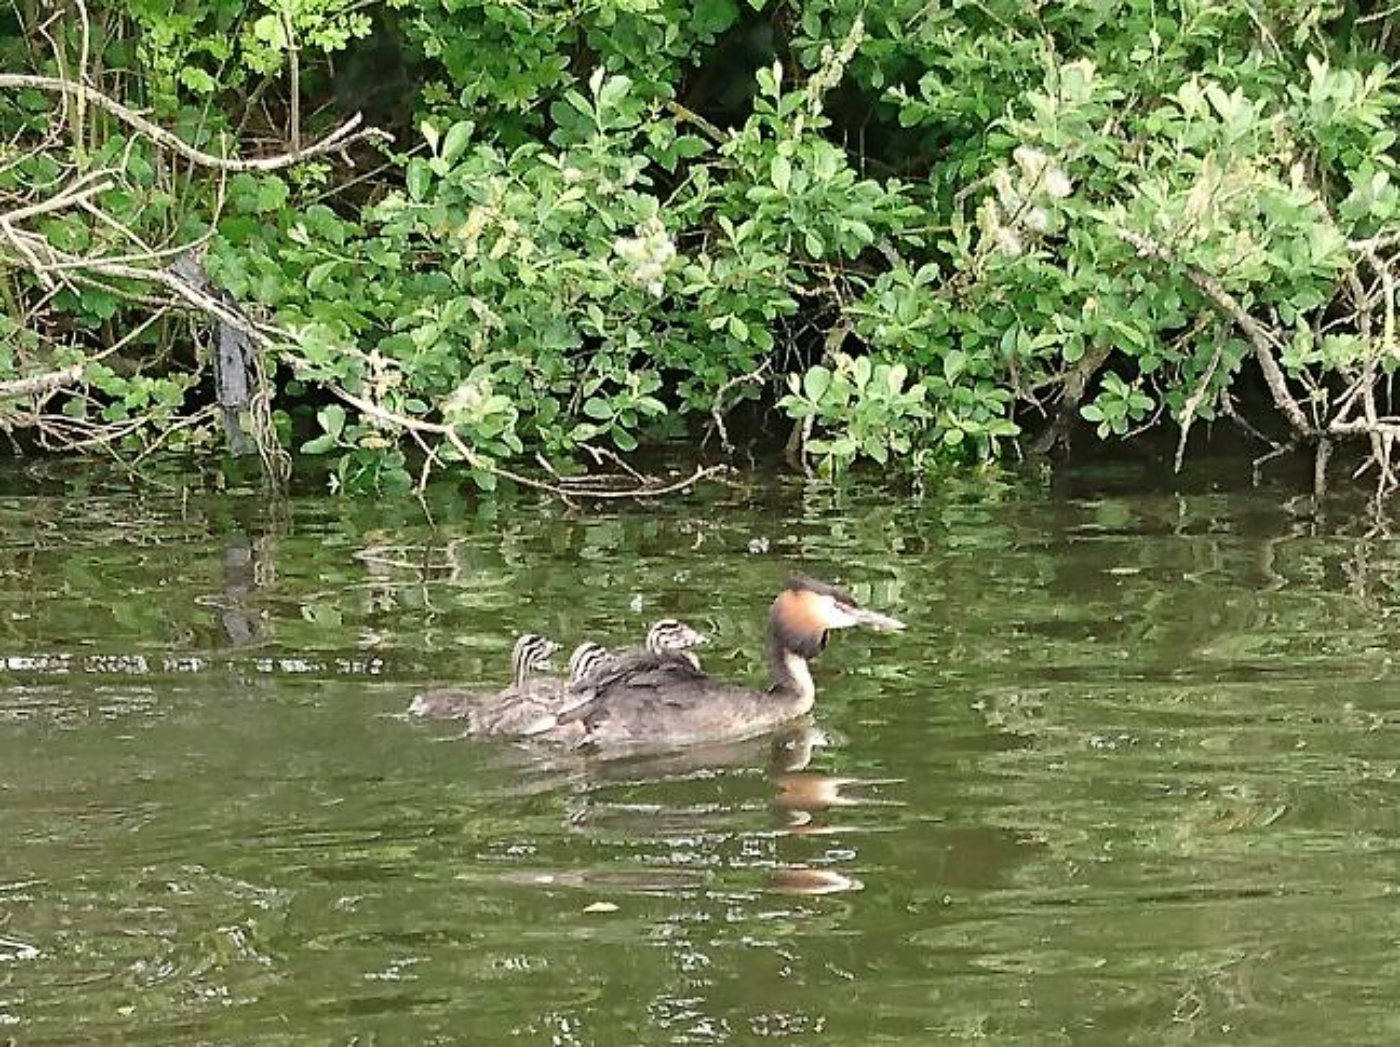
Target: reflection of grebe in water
(700, 837)
(802, 794)
(800, 800)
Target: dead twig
(1192, 405)
(1279, 451)
(18, 388)
(712, 132)
(717, 407)
(69, 197)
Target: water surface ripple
(1129, 777)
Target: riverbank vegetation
(525, 239)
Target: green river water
(1129, 776)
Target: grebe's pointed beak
(837, 613)
(809, 609)
(874, 619)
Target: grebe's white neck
(799, 679)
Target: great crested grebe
(666, 639)
(532, 703)
(539, 705)
(669, 702)
(530, 654)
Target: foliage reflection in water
(1129, 776)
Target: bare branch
(68, 198)
(335, 142)
(476, 461)
(717, 408)
(712, 132)
(18, 388)
(1074, 384)
(1192, 405)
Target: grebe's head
(587, 657)
(806, 610)
(669, 635)
(532, 653)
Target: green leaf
(419, 177)
(712, 17)
(272, 195)
(583, 432)
(197, 80)
(270, 31)
(459, 136)
(614, 91)
(596, 407)
(332, 419)
(781, 173)
(815, 384)
(320, 274)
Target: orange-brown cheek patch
(801, 612)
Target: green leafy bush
(917, 233)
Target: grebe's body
(669, 703)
